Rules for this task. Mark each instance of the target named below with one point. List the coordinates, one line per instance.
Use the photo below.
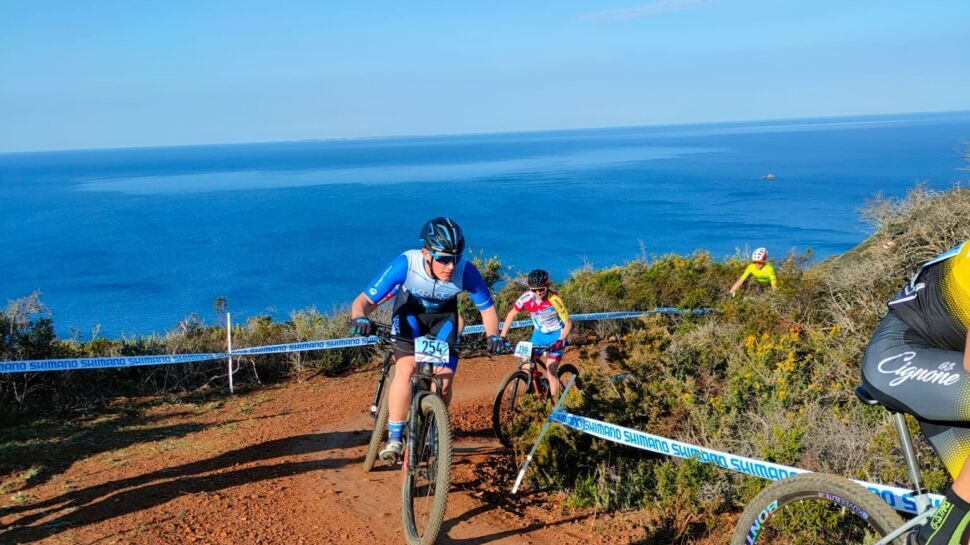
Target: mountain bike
(528, 381)
(426, 438)
(815, 508)
(378, 406)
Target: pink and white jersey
(548, 314)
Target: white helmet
(759, 255)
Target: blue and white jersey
(407, 273)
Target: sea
(131, 241)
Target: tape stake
(542, 433)
(229, 350)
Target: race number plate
(523, 350)
(430, 350)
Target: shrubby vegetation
(28, 333)
(770, 375)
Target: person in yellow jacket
(759, 269)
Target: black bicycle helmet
(443, 235)
(538, 279)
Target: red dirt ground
(282, 465)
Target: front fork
(420, 387)
(385, 367)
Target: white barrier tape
(637, 314)
(899, 499)
(31, 366)
(70, 364)
(326, 344)
(27, 366)
(472, 329)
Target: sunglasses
(445, 259)
(539, 290)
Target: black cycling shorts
(908, 374)
(411, 320)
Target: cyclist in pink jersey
(550, 319)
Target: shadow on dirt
(39, 449)
(118, 498)
(446, 528)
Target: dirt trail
(282, 465)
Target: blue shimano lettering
(645, 441)
(758, 469)
(909, 504)
(53, 365)
(12, 367)
(688, 451)
(888, 497)
(96, 363)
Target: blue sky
(120, 74)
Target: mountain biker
(550, 320)
(428, 282)
(759, 269)
(918, 362)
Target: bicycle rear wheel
(506, 418)
(380, 424)
(815, 509)
(424, 495)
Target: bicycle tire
(519, 381)
(434, 416)
(851, 514)
(380, 425)
(564, 372)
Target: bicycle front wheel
(506, 417)
(565, 372)
(815, 509)
(380, 424)
(424, 495)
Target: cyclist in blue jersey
(427, 282)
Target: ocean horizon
(135, 239)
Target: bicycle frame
(537, 367)
(921, 496)
(421, 382)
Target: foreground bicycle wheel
(424, 496)
(506, 416)
(380, 424)
(815, 509)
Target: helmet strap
(430, 264)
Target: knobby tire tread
(883, 519)
(380, 425)
(431, 404)
(500, 401)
